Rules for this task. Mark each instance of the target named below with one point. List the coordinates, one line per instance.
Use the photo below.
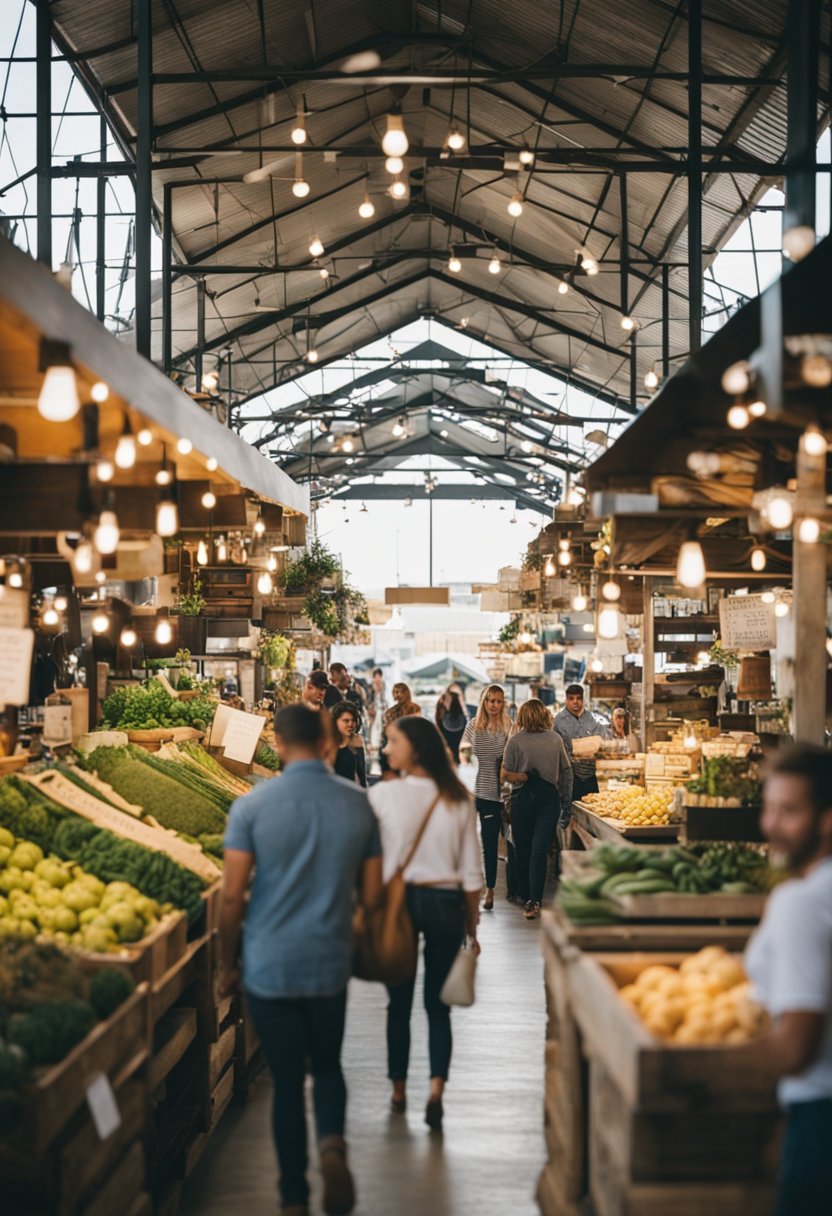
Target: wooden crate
(565, 1092)
(167, 991)
(647, 935)
(717, 905)
(125, 1181)
(147, 960)
(173, 1035)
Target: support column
(801, 139)
(648, 664)
(809, 605)
(200, 331)
(43, 135)
(167, 280)
(144, 200)
(665, 321)
(101, 229)
(695, 277)
(633, 370)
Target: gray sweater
(545, 753)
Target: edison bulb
(348, 445)
(58, 400)
(757, 409)
(395, 141)
(128, 638)
(164, 633)
(125, 456)
(564, 558)
(814, 441)
(651, 380)
(163, 477)
(609, 623)
(563, 288)
(211, 464)
(808, 530)
(366, 209)
(495, 265)
(628, 324)
(690, 568)
(781, 608)
(758, 559)
(259, 527)
(106, 536)
(100, 578)
(780, 512)
(100, 623)
(515, 205)
(144, 437)
(816, 371)
(526, 156)
(611, 591)
(738, 417)
(768, 597)
(579, 602)
(312, 355)
(398, 188)
(589, 265)
(210, 381)
(209, 500)
(83, 558)
(202, 554)
(454, 264)
(60, 603)
(394, 165)
(549, 569)
(456, 140)
(222, 550)
(265, 584)
(271, 564)
(299, 132)
(104, 470)
(316, 247)
(300, 187)
(167, 518)
(49, 617)
(736, 379)
(184, 446)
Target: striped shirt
(488, 746)
(569, 727)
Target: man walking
(315, 689)
(576, 722)
(789, 961)
(309, 838)
(342, 688)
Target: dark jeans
(491, 816)
(297, 1035)
(582, 786)
(453, 738)
(805, 1173)
(440, 916)
(535, 810)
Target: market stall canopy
(33, 306)
(583, 122)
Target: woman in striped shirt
(487, 735)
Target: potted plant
(190, 608)
(308, 572)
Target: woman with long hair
(403, 706)
(444, 880)
(538, 767)
(487, 735)
(350, 761)
(451, 719)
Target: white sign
(242, 735)
(14, 608)
(103, 1106)
(746, 623)
(16, 646)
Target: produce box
(723, 823)
(146, 960)
(713, 906)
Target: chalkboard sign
(746, 623)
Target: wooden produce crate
(723, 823)
(52, 1099)
(124, 1183)
(146, 960)
(644, 935)
(166, 991)
(172, 1036)
(717, 905)
(600, 829)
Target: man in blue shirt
(576, 722)
(311, 840)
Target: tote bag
(458, 988)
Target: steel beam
(144, 175)
(101, 229)
(167, 280)
(801, 145)
(43, 131)
(695, 272)
(624, 246)
(665, 321)
(200, 332)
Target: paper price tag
(103, 1106)
(16, 646)
(242, 735)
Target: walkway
(488, 1160)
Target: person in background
(487, 735)
(789, 962)
(342, 688)
(467, 770)
(350, 762)
(576, 722)
(309, 840)
(451, 719)
(537, 765)
(377, 705)
(620, 729)
(314, 689)
(403, 707)
(444, 879)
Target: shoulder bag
(458, 988)
(384, 940)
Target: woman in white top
(444, 880)
(488, 734)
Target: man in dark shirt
(341, 688)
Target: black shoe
(531, 911)
(433, 1114)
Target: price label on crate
(103, 1106)
(746, 623)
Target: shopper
(576, 722)
(487, 735)
(341, 687)
(403, 706)
(620, 730)
(537, 765)
(350, 761)
(377, 705)
(451, 719)
(314, 689)
(444, 879)
(309, 840)
(789, 961)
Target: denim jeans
(491, 815)
(805, 1175)
(440, 917)
(535, 810)
(297, 1035)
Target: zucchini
(645, 886)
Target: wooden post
(648, 665)
(810, 605)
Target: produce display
(47, 1006)
(696, 869)
(170, 801)
(726, 781)
(267, 757)
(633, 805)
(150, 706)
(704, 1000)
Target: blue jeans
(491, 817)
(805, 1173)
(440, 916)
(535, 810)
(297, 1035)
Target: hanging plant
(322, 611)
(310, 569)
(276, 651)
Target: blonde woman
(487, 735)
(403, 707)
(538, 766)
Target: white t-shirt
(789, 962)
(448, 853)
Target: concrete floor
(486, 1162)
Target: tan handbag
(384, 940)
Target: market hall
(414, 619)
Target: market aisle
(488, 1160)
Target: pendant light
(58, 400)
(300, 186)
(758, 559)
(526, 157)
(125, 456)
(100, 622)
(395, 141)
(316, 247)
(209, 500)
(563, 288)
(455, 140)
(394, 165)
(808, 530)
(100, 392)
(454, 264)
(164, 633)
(212, 464)
(49, 617)
(515, 205)
(271, 564)
(104, 470)
(299, 129)
(690, 568)
(398, 188)
(738, 416)
(83, 559)
(202, 553)
(579, 602)
(265, 585)
(184, 446)
(259, 527)
(128, 638)
(144, 437)
(628, 323)
(167, 517)
(365, 208)
(651, 380)
(588, 264)
(495, 265)
(611, 591)
(609, 623)
(814, 441)
(106, 535)
(549, 569)
(779, 510)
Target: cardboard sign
(746, 623)
(14, 608)
(16, 646)
(242, 734)
(103, 1106)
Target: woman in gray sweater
(538, 767)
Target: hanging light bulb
(628, 323)
(515, 205)
(395, 141)
(202, 553)
(526, 156)
(210, 381)
(738, 417)
(758, 559)
(107, 533)
(100, 578)
(163, 477)
(104, 470)
(611, 591)
(549, 569)
(125, 456)
(454, 264)
(49, 617)
(222, 550)
(736, 379)
(259, 527)
(596, 666)
(209, 500)
(398, 189)
(184, 446)
(58, 399)
(757, 409)
(347, 444)
(394, 165)
(83, 558)
(456, 140)
(311, 355)
(781, 608)
(300, 186)
(212, 464)
(579, 602)
(563, 543)
(60, 603)
(780, 511)
(316, 247)
(588, 264)
(144, 437)
(609, 623)
(564, 558)
(813, 441)
(324, 273)
(299, 129)
(128, 638)
(816, 371)
(495, 265)
(399, 428)
(164, 633)
(365, 208)
(99, 392)
(271, 564)
(563, 288)
(651, 380)
(100, 623)
(265, 585)
(808, 530)
(167, 518)
(768, 597)
(690, 568)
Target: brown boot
(339, 1188)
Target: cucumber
(645, 886)
(590, 883)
